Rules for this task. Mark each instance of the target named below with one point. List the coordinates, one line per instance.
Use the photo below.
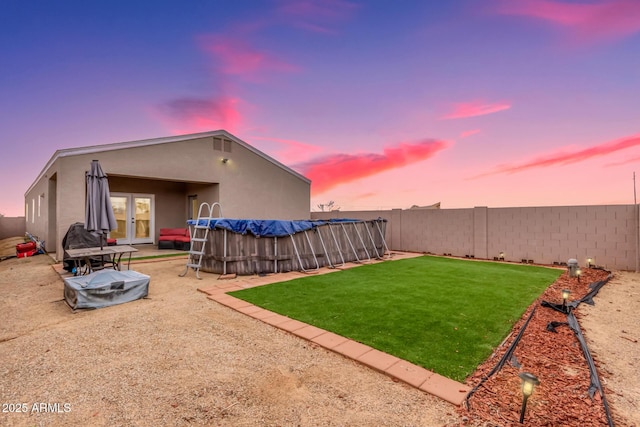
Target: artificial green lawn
(444, 314)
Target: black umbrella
(99, 216)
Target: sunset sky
(383, 104)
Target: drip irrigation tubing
(572, 322)
(574, 325)
(503, 359)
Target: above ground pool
(249, 246)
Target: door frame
(130, 238)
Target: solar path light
(529, 382)
(565, 298)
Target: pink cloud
(604, 20)
(468, 133)
(568, 156)
(329, 171)
(316, 15)
(236, 58)
(472, 109)
(196, 115)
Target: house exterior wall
(253, 188)
(169, 198)
(247, 185)
(607, 234)
(37, 210)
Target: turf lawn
(444, 314)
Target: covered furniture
(105, 288)
(174, 238)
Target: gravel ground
(611, 328)
(177, 358)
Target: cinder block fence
(606, 234)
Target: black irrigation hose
(572, 322)
(502, 360)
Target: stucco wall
(247, 184)
(12, 226)
(607, 234)
(37, 210)
(254, 188)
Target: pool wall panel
(247, 254)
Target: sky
(382, 104)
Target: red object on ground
(25, 254)
(25, 247)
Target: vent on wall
(220, 144)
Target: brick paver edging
(416, 376)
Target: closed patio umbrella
(99, 216)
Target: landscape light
(501, 256)
(589, 262)
(529, 383)
(578, 273)
(565, 297)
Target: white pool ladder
(198, 234)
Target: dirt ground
(612, 328)
(177, 358)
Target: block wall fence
(608, 234)
(12, 227)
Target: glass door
(135, 217)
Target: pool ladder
(198, 234)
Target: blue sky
(382, 104)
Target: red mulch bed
(562, 398)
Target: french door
(135, 214)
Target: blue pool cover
(266, 227)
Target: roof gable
(67, 152)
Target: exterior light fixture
(501, 256)
(529, 383)
(578, 273)
(590, 262)
(565, 298)
(572, 266)
(225, 160)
